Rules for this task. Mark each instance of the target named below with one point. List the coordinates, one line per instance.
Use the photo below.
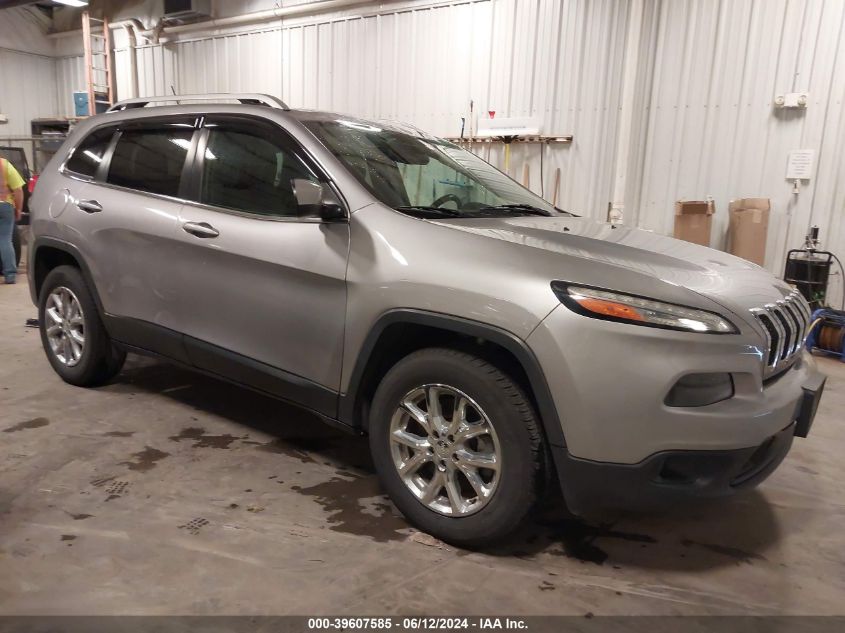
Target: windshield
(425, 176)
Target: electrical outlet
(4, 118)
(791, 100)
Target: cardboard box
(693, 220)
(748, 228)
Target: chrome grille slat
(798, 322)
(789, 328)
(779, 339)
(804, 307)
(784, 325)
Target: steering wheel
(446, 198)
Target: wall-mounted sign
(800, 164)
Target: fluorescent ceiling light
(73, 3)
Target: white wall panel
(701, 117)
(557, 60)
(70, 78)
(28, 90)
(707, 125)
(27, 72)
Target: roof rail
(245, 98)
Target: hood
(734, 283)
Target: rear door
(130, 217)
(264, 290)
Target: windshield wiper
(450, 213)
(525, 209)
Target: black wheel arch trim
(351, 400)
(71, 250)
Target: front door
(264, 289)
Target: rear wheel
(457, 446)
(72, 334)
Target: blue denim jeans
(7, 251)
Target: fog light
(698, 390)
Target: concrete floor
(166, 492)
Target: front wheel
(72, 333)
(457, 446)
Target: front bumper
(669, 477)
(609, 383)
(625, 448)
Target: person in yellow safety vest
(11, 208)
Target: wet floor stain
(204, 440)
(352, 510)
(68, 537)
(579, 539)
(119, 434)
(739, 555)
(145, 460)
(298, 448)
(347, 454)
(35, 423)
(79, 517)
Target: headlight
(615, 306)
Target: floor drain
(194, 525)
(117, 488)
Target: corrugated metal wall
(557, 60)
(705, 123)
(70, 77)
(29, 91)
(28, 85)
(701, 113)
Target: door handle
(89, 206)
(200, 229)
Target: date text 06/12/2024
(416, 623)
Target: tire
(98, 359)
(492, 400)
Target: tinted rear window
(150, 159)
(89, 154)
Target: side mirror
(314, 198)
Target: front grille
(785, 323)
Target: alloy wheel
(65, 326)
(445, 449)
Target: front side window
(424, 175)
(251, 171)
(89, 154)
(151, 158)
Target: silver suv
(399, 286)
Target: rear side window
(245, 170)
(89, 154)
(151, 159)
